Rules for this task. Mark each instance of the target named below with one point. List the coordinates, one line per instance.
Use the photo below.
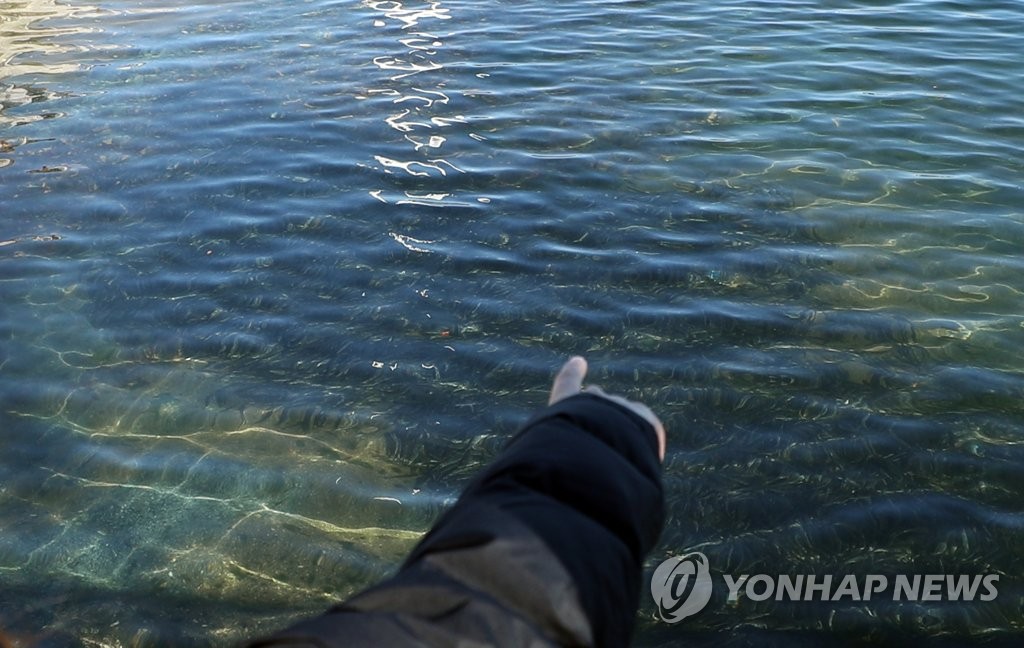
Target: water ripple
(281, 278)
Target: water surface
(278, 278)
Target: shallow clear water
(277, 278)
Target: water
(277, 278)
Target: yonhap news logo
(682, 586)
